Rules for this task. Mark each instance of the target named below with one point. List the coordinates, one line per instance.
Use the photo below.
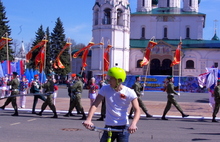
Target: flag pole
(45, 58)
(180, 66)
(8, 63)
(83, 68)
(103, 70)
(70, 50)
(148, 66)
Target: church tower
(169, 3)
(144, 5)
(191, 5)
(111, 22)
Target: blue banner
(158, 83)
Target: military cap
(15, 73)
(169, 77)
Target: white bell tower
(169, 3)
(191, 5)
(111, 21)
(144, 5)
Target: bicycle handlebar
(94, 128)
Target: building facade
(168, 21)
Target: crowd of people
(110, 92)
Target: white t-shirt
(117, 104)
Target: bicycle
(109, 130)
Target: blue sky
(26, 16)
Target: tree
(4, 28)
(48, 67)
(57, 43)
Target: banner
(158, 83)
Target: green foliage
(57, 43)
(48, 67)
(4, 28)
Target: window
(107, 16)
(138, 64)
(168, 3)
(143, 2)
(96, 17)
(190, 2)
(143, 33)
(190, 64)
(119, 17)
(187, 33)
(165, 33)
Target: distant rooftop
(186, 43)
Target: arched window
(96, 22)
(143, 3)
(138, 65)
(165, 33)
(187, 33)
(168, 3)
(143, 33)
(107, 16)
(155, 67)
(190, 64)
(119, 17)
(190, 2)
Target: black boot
(2, 107)
(83, 117)
(40, 113)
(55, 116)
(184, 115)
(15, 114)
(67, 115)
(148, 115)
(33, 112)
(214, 120)
(164, 118)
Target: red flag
(60, 65)
(64, 48)
(106, 57)
(57, 63)
(85, 53)
(3, 42)
(83, 49)
(39, 60)
(29, 54)
(146, 58)
(177, 55)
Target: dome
(154, 2)
(215, 37)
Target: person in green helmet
(117, 98)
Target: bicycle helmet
(117, 73)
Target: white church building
(169, 21)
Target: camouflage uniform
(217, 101)
(14, 91)
(49, 89)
